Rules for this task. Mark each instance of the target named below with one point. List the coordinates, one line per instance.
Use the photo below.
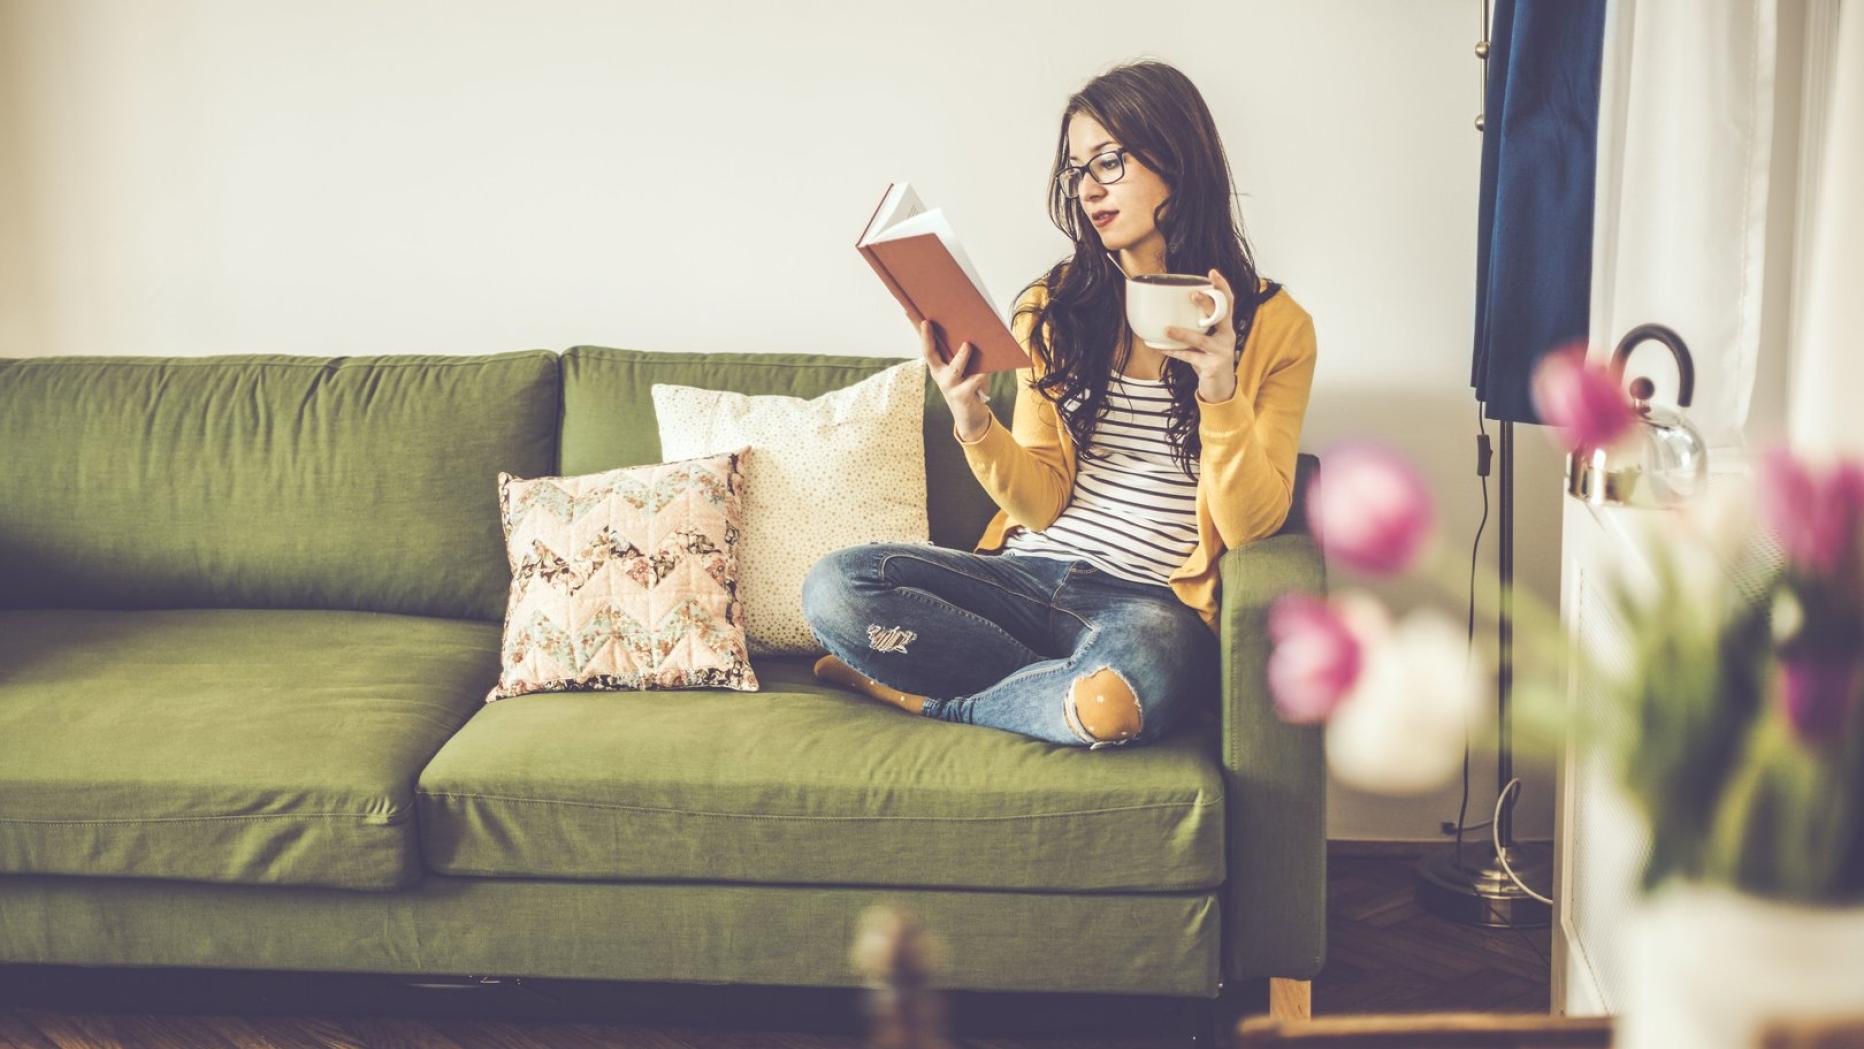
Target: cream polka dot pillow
(838, 470)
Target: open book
(918, 257)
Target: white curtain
(1686, 104)
(1825, 404)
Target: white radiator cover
(1600, 842)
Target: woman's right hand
(965, 396)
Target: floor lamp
(1488, 886)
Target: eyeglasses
(1107, 168)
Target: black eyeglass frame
(1061, 177)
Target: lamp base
(1477, 891)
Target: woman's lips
(1102, 220)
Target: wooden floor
(1384, 955)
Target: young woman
(1086, 615)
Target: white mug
(1156, 301)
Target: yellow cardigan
(1245, 469)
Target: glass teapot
(1662, 461)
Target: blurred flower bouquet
(1732, 724)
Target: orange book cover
(917, 256)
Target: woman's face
(1133, 198)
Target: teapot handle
(1685, 367)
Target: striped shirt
(1133, 512)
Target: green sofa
(249, 609)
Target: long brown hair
(1155, 112)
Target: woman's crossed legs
(1058, 650)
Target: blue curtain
(1539, 144)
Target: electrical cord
(1495, 837)
(1475, 549)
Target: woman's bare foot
(833, 670)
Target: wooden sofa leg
(1290, 999)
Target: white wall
(209, 176)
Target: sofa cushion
(267, 481)
(806, 783)
(227, 745)
(608, 415)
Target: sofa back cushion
(608, 415)
(267, 481)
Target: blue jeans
(1002, 640)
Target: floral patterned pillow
(625, 579)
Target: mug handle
(1223, 303)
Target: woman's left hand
(1214, 356)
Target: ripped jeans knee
(1102, 710)
(888, 638)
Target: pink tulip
(1402, 727)
(1369, 508)
(1815, 513)
(1315, 661)
(1817, 692)
(1584, 404)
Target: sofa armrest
(1274, 774)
